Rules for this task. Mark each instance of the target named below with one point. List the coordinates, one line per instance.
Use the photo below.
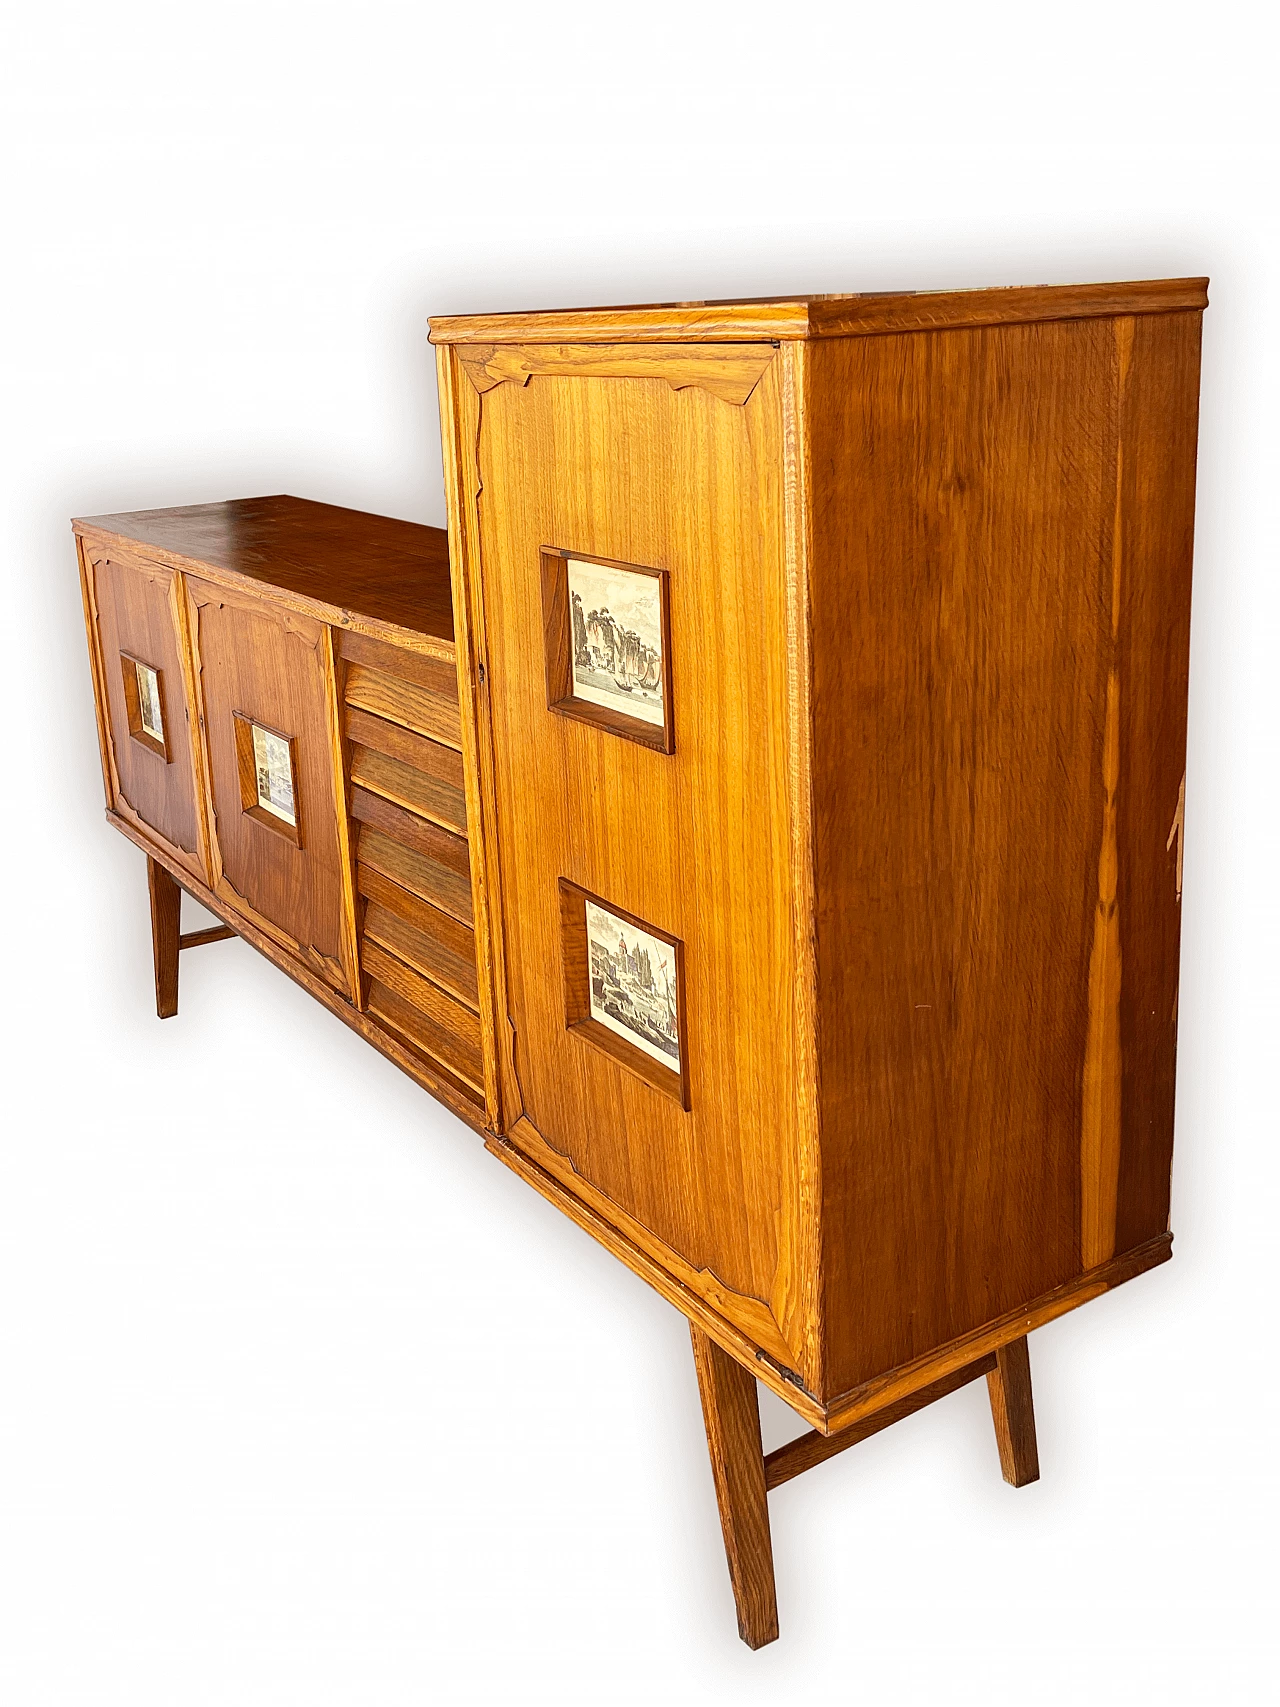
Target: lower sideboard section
(442, 1085)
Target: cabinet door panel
(138, 626)
(264, 667)
(689, 848)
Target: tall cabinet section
(830, 661)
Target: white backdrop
(303, 1398)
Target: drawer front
(269, 707)
(413, 861)
(143, 687)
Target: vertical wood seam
(1103, 1063)
(348, 937)
(797, 512)
(195, 722)
(469, 652)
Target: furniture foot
(166, 934)
(1009, 1385)
(731, 1412)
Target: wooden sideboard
(332, 633)
(768, 837)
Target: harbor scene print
(616, 617)
(634, 990)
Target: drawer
(419, 694)
(420, 1011)
(422, 936)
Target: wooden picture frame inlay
(628, 668)
(251, 796)
(144, 700)
(655, 987)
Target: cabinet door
(142, 685)
(279, 841)
(634, 604)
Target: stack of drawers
(413, 870)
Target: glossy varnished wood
(731, 1413)
(811, 317)
(427, 1072)
(638, 473)
(166, 936)
(345, 564)
(275, 667)
(1001, 542)
(133, 612)
(1013, 1413)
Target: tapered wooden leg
(1009, 1385)
(731, 1412)
(166, 931)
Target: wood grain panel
(407, 787)
(413, 832)
(133, 608)
(975, 733)
(433, 674)
(1156, 520)
(422, 876)
(426, 1039)
(685, 482)
(417, 708)
(424, 953)
(275, 667)
(443, 763)
(441, 927)
(340, 566)
(458, 1029)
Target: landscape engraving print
(634, 989)
(149, 702)
(617, 639)
(274, 771)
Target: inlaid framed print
(267, 763)
(624, 989)
(144, 704)
(608, 645)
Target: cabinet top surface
(391, 571)
(836, 316)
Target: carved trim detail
(728, 371)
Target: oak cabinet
(761, 819)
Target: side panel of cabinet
(136, 623)
(693, 846)
(1003, 521)
(259, 665)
